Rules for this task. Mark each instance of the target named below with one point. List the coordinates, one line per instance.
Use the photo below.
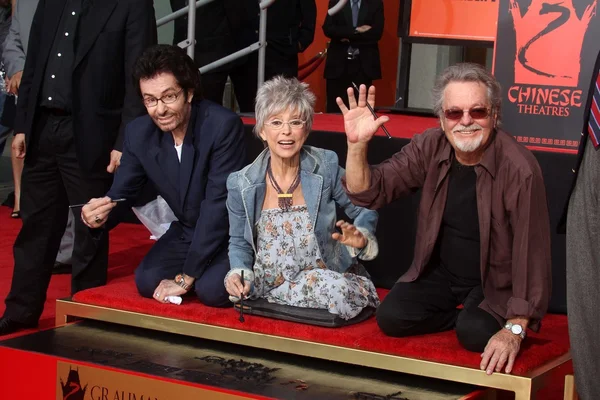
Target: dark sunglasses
(475, 113)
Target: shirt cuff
(518, 307)
(248, 274)
(370, 251)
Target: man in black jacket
(216, 24)
(75, 98)
(580, 219)
(290, 30)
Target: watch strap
(179, 280)
(508, 326)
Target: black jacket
(110, 37)
(562, 223)
(340, 27)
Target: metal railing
(190, 42)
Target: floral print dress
(289, 269)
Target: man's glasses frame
(294, 124)
(475, 113)
(169, 98)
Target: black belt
(57, 112)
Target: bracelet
(181, 282)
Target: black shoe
(61, 268)
(8, 325)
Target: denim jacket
(320, 175)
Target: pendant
(284, 200)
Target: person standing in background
(215, 38)
(290, 30)
(75, 98)
(353, 54)
(15, 49)
(580, 220)
(5, 17)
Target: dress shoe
(8, 325)
(61, 268)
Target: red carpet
(128, 242)
(442, 347)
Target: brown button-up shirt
(513, 217)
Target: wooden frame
(524, 387)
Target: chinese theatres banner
(545, 53)
(454, 19)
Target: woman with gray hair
(282, 216)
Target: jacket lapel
(90, 26)
(254, 194)
(52, 14)
(166, 160)
(188, 155)
(484, 211)
(312, 185)
(348, 13)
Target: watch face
(516, 329)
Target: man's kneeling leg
(475, 327)
(209, 287)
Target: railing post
(191, 29)
(262, 41)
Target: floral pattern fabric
(289, 269)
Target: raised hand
(359, 122)
(350, 236)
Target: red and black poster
(544, 56)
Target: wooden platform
(96, 360)
(311, 342)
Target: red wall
(388, 48)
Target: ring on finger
(97, 219)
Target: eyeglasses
(166, 99)
(475, 113)
(278, 124)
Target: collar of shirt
(488, 161)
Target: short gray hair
(468, 72)
(280, 94)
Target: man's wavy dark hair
(165, 58)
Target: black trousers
(213, 85)
(337, 87)
(51, 180)
(428, 305)
(165, 260)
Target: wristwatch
(181, 282)
(516, 329)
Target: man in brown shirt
(483, 235)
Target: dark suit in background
(216, 23)
(352, 56)
(581, 219)
(73, 114)
(194, 189)
(290, 30)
